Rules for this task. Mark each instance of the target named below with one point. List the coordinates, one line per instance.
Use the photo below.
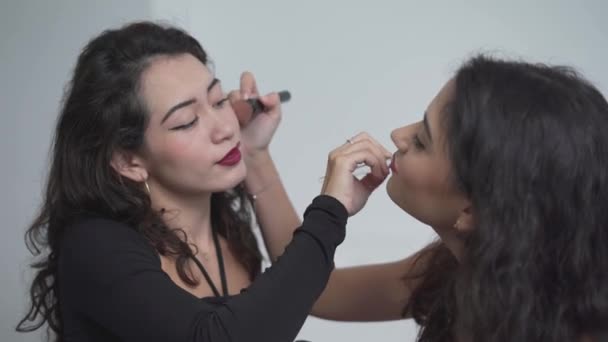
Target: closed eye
(417, 143)
(186, 126)
(220, 104)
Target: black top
(112, 287)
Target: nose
(225, 126)
(399, 138)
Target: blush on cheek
(170, 153)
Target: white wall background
(350, 66)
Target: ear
(129, 165)
(465, 222)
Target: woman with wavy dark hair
(145, 229)
(510, 167)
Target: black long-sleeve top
(112, 287)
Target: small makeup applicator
(247, 110)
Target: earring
(147, 186)
(457, 224)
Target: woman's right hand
(340, 182)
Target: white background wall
(350, 66)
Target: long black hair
(103, 113)
(528, 145)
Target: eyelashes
(218, 105)
(221, 103)
(417, 143)
(186, 126)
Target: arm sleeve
(111, 276)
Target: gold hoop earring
(147, 186)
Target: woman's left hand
(257, 133)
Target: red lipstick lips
(232, 157)
(392, 166)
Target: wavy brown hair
(528, 146)
(102, 113)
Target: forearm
(275, 306)
(275, 213)
(366, 293)
(378, 292)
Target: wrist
(256, 158)
(261, 173)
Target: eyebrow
(427, 127)
(187, 102)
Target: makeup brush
(247, 110)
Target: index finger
(249, 87)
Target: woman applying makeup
(509, 167)
(144, 233)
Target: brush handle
(258, 107)
(247, 110)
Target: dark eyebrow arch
(176, 107)
(187, 102)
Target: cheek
(420, 188)
(180, 153)
(176, 153)
(412, 182)
(416, 173)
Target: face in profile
(421, 182)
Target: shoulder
(100, 247)
(99, 235)
(93, 229)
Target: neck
(452, 241)
(191, 214)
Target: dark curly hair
(102, 113)
(528, 145)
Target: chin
(228, 180)
(395, 194)
(225, 185)
(236, 177)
